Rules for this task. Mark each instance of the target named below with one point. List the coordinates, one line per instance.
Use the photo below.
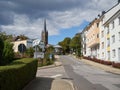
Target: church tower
(44, 36)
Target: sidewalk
(48, 82)
(101, 66)
(41, 83)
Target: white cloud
(23, 25)
(56, 20)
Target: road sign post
(38, 43)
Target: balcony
(108, 48)
(108, 35)
(93, 43)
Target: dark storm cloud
(41, 8)
(34, 8)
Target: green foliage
(75, 44)
(22, 37)
(50, 49)
(30, 52)
(8, 53)
(65, 44)
(5, 37)
(1, 50)
(16, 75)
(47, 60)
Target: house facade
(25, 43)
(102, 36)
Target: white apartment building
(83, 42)
(102, 37)
(110, 34)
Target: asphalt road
(86, 77)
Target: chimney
(103, 12)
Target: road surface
(86, 77)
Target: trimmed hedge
(16, 75)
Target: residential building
(92, 38)
(101, 38)
(83, 43)
(24, 43)
(112, 29)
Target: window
(113, 39)
(102, 34)
(119, 53)
(113, 53)
(102, 45)
(119, 36)
(97, 24)
(108, 30)
(113, 25)
(97, 35)
(102, 54)
(108, 42)
(108, 55)
(119, 20)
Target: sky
(64, 18)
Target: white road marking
(58, 75)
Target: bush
(1, 50)
(29, 52)
(116, 65)
(99, 61)
(8, 53)
(16, 75)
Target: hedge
(112, 63)
(16, 75)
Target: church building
(44, 35)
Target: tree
(65, 44)
(1, 50)
(4, 36)
(8, 53)
(75, 44)
(50, 49)
(30, 52)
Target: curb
(63, 85)
(72, 85)
(56, 64)
(101, 66)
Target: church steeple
(45, 25)
(44, 35)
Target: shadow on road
(40, 83)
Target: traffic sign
(36, 42)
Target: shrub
(30, 52)
(1, 50)
(16, 75)
(116, 65)
(8, 53)
(107, 62)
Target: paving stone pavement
(50, 78)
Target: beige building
(24, 43)
(92, 38)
